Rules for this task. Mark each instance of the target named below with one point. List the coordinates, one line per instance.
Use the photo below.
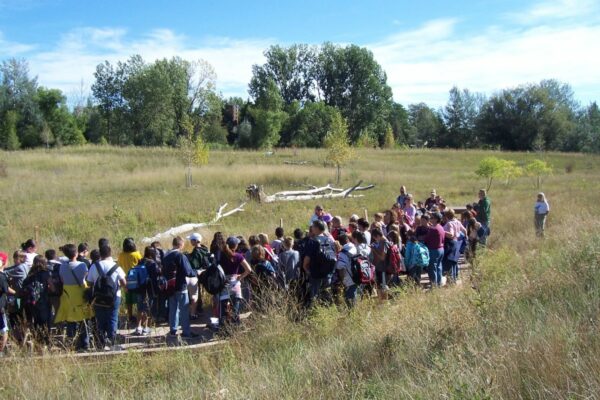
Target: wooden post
(366, 215)
(36, 234)
(281, 222)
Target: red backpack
(394, 264)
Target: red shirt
(434, 239)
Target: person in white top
(541, 210)
(107, 317)
(29, 248)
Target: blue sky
(425, 47)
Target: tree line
(296, 98)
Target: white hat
(195, 236)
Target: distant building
(233, 113)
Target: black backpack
(326, 258)
(104, 292)
(200, 258)
(213, 279)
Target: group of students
(80, 291)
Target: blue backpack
(137, 278)
(421, 255)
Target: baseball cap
(4, 258)
(232, 241)
(195, 236)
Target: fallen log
(178, 230)
(256, 193)
(296, 162)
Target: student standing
(541, 211)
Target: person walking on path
(484, 214)
(541, 210)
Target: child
(37, 302)
(541, 210)
(289, 260)
(4, 292)
(413, 268)
(276, 243)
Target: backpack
(421, 254)
(169, 282)
(104, 292)
(55, 284)
(32, 293)
(137, 278)
(361, 271)
(326, 258)
(394, 263)
(213, 279)
(200, 258)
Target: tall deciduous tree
(426, 122)
(338, 144)
(8, 131)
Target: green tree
(427, 124)
(8, 132)
(403, 131)
(389, 141)
(292, 71)
(351, 80)
(192, 149)
(490, 168)
(268, 117)
(309, 126)
(460, 117)
(338, 144)
(538, 169)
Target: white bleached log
(315, 193)
(178, 230)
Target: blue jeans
(485, 230)
(81, 329)
(179, 309)
(107, 319)
(435, 266)
(350, 295)
(318, 287)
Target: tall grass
(524, 326)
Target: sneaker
(146, 331)
(172, 333)
(138, 331)
(106, 348)
(191, 335)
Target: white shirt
(344, 261)
(106, 265)
(29, 259)
(367, 237)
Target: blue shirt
(177, 260)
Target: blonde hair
(263, 238)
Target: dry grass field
(526, 324)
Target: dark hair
(50, 254)
(94, 256)
(129, 245)
(82, 247)
(394, 237)
(258, 253)
(376, 232)
(320, 225)
(103, 242)
(28, 243)
(343, 239)
(69, 250)
(150, 253)
(298, 233)
(353, 226)
(217, 243)
(39, 264)
(105, 252)
(279, 231)
(177, 241)
(363, 223)
(155, 243)
(359, 237)
(253, 240)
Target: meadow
(525, 324)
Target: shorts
(192, 287)
(130, 298)
(142, 304)
(382, 280)
(3, 323)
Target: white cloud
(422, 65)
(13, 49)
(79, 51)
(554, 9)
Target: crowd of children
(81, 291)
